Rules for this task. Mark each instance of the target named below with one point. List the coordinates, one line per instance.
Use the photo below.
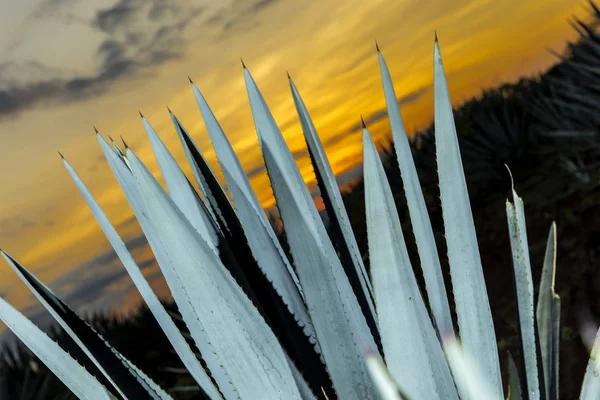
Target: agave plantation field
(426, 281)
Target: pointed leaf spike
(548, 318)
(243, 65)
(61, 156)
(472, 304)
(164, 320)
(523, 283)
(69, 371)
(95, 130)
(419, 216)
(332, 304)
(412, 350)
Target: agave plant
(319, 323)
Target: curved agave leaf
(164, 320)
(590, 390)
(475, 322)
(126, 181)
(259, 232)
(412, 350)
(469, 379)
(341, 327)
(180, 189)
(214, 196)
(524, 292)
(338, 217)
(73, 375)
(548, 318)
(214, 303)
(428, 254)
(111, 364)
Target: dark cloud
(13, 226)
(381, 114)
(139, 35)
(239, 16)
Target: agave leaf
(334, 205)
(273, 265)
(468, 376)
(215, 306)
(412, 350)
(475, 322)
(548, 318)
(259, 232)
(214, 196)
(106, 359)
(514, 385)
(524, 293)
(126, 181)
(164, 320)
(590, 390)
(385, 384)
(181, 191)
(267, 274)
(69, 371)
(341, 327)
(428, 254)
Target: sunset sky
(66, 65)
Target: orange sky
(327, 46)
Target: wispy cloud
(138, 35)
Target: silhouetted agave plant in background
(318, 324)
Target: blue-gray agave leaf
(428, 254)
(412, 350)
(164, 320)
(475, 322)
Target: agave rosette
(319, 324)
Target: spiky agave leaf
(229, 162)
(162, 317)
(73, 375)
(334, 205)
(428, 254)
(181, 191)
(548, 318)
(261, 237)
(590, 389)
(412, 350)
(524, 293)
(341, 327)
(126, 180)
(109, 362)
(213, 193)
(214, 303)
(475, 322)
(471, 383)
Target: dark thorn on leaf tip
(124, 143)
(243, 65)
(141, 115)
(61, 156)
(435, 35)
(377, 46)
(288, 75)
(190, 79)
(168, 109)
(111, 139)
(95, 129)
(362, 121)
